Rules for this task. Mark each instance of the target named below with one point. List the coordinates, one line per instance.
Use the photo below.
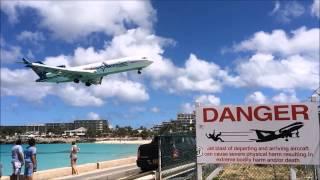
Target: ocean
(57, 155)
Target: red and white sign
(258, 134)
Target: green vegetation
(127, 131)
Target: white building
(76, 132)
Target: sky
(212, 52)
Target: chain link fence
(178, 156)
(179, 150)
(257, 172)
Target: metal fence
(265, 172)
(178, 155)
(178, 161)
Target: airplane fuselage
(90, 73)
(284, 132)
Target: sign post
(258, 134)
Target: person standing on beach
(73, 157)
(17, 159)
(30, 159)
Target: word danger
(260, 113)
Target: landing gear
(88, 84)
(139, 71)
(76, 80)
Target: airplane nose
(149, 62)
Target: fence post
(293, 173)
(199, 171)
(159, 175)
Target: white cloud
(315, 8)
(266, 71)
(155, 109)
(286, 97)
(202, 99)
(197, 75)
(122, 89)
(280, 61)
(139, 42)
(9, 53)
(93, 116)
(86, 56)
(208, 99)
(290, 10)
(187, 108)
(78, 96)
(20, 83)
(58, 60)
(256, 98)
(300, 41)
(32, 37)
(276, 8)
(72, 20)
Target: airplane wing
(62, 71)
(263, 131)
(264, 135)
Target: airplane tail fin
(26, 62)
(40, 73)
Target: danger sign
(258, 134)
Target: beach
(125, 141)
(52, 156)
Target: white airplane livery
(88, 74)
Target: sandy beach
(123, 142)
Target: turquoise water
(57, 155)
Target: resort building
(54, 129)
(93, 125)
(62, 126)
(185, 122)
(76, 132)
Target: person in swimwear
(73, 157)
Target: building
(92, 125)
(54, 128)
(185, 122)
(59, 126)
(31, 129)
(76, 132)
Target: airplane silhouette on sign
(285, 132)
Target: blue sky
(213, 52)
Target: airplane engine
(95, 81)
(49, 75)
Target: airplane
(88, 74)
(285, 132)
